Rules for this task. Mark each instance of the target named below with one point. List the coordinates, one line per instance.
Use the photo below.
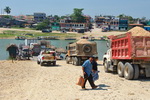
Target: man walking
(87, 70)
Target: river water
(101, 46)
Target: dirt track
(25, 80)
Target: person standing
(94, 63)
(87, 72)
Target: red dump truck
(129, 54)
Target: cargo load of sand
(138, 31)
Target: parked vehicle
(46, 30)
(81, 31)
(36, 48)
(20, 37)
(63, 31)
(129, 55)
(105, 29)
(24, 53)
(79, 51)
(46, 57)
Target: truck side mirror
(66, 47)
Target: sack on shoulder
(80, 81)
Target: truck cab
(80, 51)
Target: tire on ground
(128, 71)
(120, 69)
(41, 63)
(136, 71)
(106, 66)
(67, 59)
(76, 61)
(73, 61)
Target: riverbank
(26, 80)
(9, 33)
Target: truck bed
(127, 46)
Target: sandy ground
(26, 80)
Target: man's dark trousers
(90, 79)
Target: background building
(39, 17)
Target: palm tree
(7, 10)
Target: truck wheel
(136, 71)
(73, 60)
(67, 59)
(79, 61)
(76, 61)
(106, 66)
(128, 71)
(120, 69)
(41, 64)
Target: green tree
(43, 25)
(57, 18)
(7, 10)
(123, 16)
(7, 16)
(77, 15)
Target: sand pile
(138, 31)
(84, 41)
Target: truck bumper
(48, 61)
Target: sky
(134, 8)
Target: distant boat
(20, 38)
(70, 39)
(48, 38)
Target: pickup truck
(48, 57)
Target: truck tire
(79, 61)
(120, 69)
(67, 60)
(73, 60)
(87, 48)
(128, 71)
(106, 66)
(136, 71)
(76, 61)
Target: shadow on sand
(100, 87)
(143, 79)
(51, 65)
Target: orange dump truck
(129, 54)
